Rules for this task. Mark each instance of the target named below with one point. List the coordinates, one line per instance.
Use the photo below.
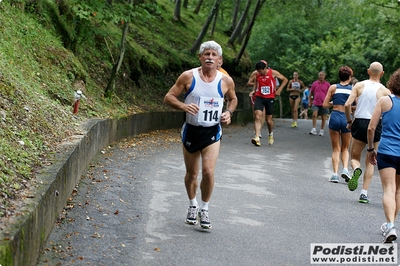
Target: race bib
(210, 110)
(265, 90)
(296, 85)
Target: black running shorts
(196, 138)
(359, 130)
(267, 103)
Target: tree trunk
(203, 31)
(235, 15)
(242, 35)
(251, 23)
(197, 10)
(239, 26)
(177, 13)
(185, 3)
(214, 23)
(111, 82)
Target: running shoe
(313, 131)
(363, 199)
(294, 124)
(204, 219)
(345, 175)
(389, 235)
(383, 227)
(256, 142)
(334, 179)
(321, 132)
(353, 182)
(191, 217)
(270, 139)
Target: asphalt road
(269, 204)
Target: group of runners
(351, 105)
(207, 90)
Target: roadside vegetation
(51, 49)
(39, 75)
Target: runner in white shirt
(367, 93)
(205, 88)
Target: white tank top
(367, 100)
(209, 98)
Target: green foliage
(318, 39)
(49, 49)
(101, 13)
(323, 35)
(37, 76)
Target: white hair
(210, 45)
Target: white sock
(193, 202)
(204, 205)
(363, 191)
(345, 170)
(271, 134)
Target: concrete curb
(22, 240)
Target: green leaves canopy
(323, 35)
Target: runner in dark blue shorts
(339, 134)
(196, 138)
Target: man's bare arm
(282, 78)
(180, 86)
(252, 79)
(231, 100)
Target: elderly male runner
(204, 89)
(367, 93)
